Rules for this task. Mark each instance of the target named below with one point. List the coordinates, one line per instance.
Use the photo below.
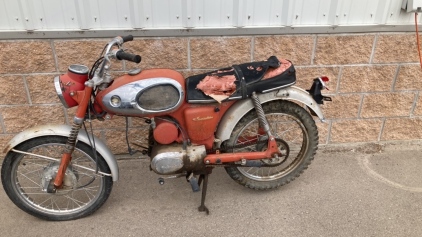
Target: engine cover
(165, 132)
(171, 159)
(145, 97)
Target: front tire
(25, 176)
(290, 124)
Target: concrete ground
(353, 190)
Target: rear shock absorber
(263, 122)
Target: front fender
(64, 131)
(239, 109)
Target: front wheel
(296, 134)
(25, 178)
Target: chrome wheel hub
(49, 173)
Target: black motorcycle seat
(249, 79)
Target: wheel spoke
(75, 201)
(48, 199)
(54, 202)
(31, 172)
(88, 193)
(32, 181)
(269, 171)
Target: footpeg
(161, 179)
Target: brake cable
(92, 144)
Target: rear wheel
(296, 135)
(25, 178)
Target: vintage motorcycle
(248, 118)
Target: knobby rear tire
(288, 121)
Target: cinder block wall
(375, 79)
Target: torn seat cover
(218, 86)
(239, 81)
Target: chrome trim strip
(59, 91)
(78, 69)
(210, 101)
(235, 98)
(202, 101)
(280, 87)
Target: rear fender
(241, 108)
(64, 131)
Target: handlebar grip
(127, 38)
(121, 55)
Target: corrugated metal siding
(106, 15)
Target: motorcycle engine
(172, 159)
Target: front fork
(83, 98)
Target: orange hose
(417, 39)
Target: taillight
(323, 80)
(67, 84)
(317, 86)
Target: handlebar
(127, 38)
(116, 53)
(122, 55)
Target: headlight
(72, 81)
(58, 86)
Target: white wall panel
(14, 15)
(53, 18)
(68, 12)
(258, 13)
(217, 13)
(4, 18)
(240, 15)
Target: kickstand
(203, 208)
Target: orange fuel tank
(150, 93)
